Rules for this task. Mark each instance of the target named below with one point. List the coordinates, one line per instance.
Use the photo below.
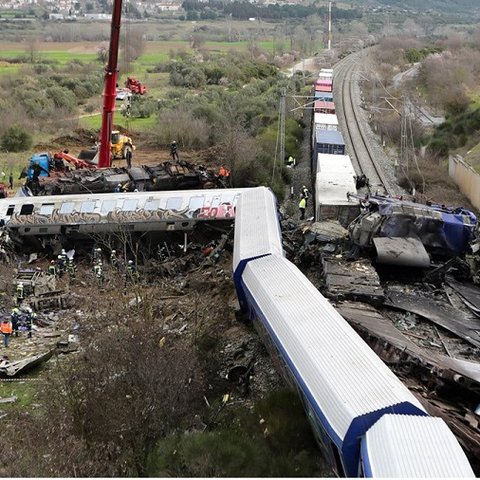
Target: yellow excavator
(120, 145)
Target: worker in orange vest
(6, 329)
(223, 172)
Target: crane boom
(110, 87)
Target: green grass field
(94, 122)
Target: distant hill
(440, 6)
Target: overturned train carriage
(347, 391)
(83, 215)
(437, 229)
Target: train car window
(43, 230)
(227, 199)
(46, 209)
(196, 203)
(215, 201)
(152, 204)
(87, 207)
(174, 203)
(67, 208)
(130, 205)
(108, 206)
(26, 209)
(10, 210)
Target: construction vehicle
(45, 165)
(135, 86)
(110, 87)
(120, 145)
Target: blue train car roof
(332, 137)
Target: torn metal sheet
(440, 313)
(10, 369)
(393, 347)
(467, 291)
(408, 252)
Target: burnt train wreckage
(164, 176)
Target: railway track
(357, 142)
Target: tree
(102, 53)
(32, 49)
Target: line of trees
(244, 10)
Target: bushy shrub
(16, 139)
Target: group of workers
(21, 320)
(130, 271)
(63, 265)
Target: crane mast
(110, 87)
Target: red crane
(110, 88)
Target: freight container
(326, 74)
(324, 86)
(323, 121)
(334, 179)
(326, 96)
(327, 141)
(322, 106)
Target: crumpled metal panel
(408, 252)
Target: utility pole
(329, 25)
(403, 138)
(280, 132)
(282, 124)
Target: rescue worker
(305, 193)
(6, 329)
(15, 317)
(114, 259)
(128, 158)
(97, 254)
(173, 150)
(98, 271)
(131, 271)
(52, 268)
(20, 293)
(302, 206)
(71, 269)
(118, 188)
(31, 315)
(62, 263)
(223, 172)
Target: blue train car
(349, 394)
(327, 141)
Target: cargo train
(332, 170)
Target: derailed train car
(408, 233)
(357, 407)
(79, 216)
